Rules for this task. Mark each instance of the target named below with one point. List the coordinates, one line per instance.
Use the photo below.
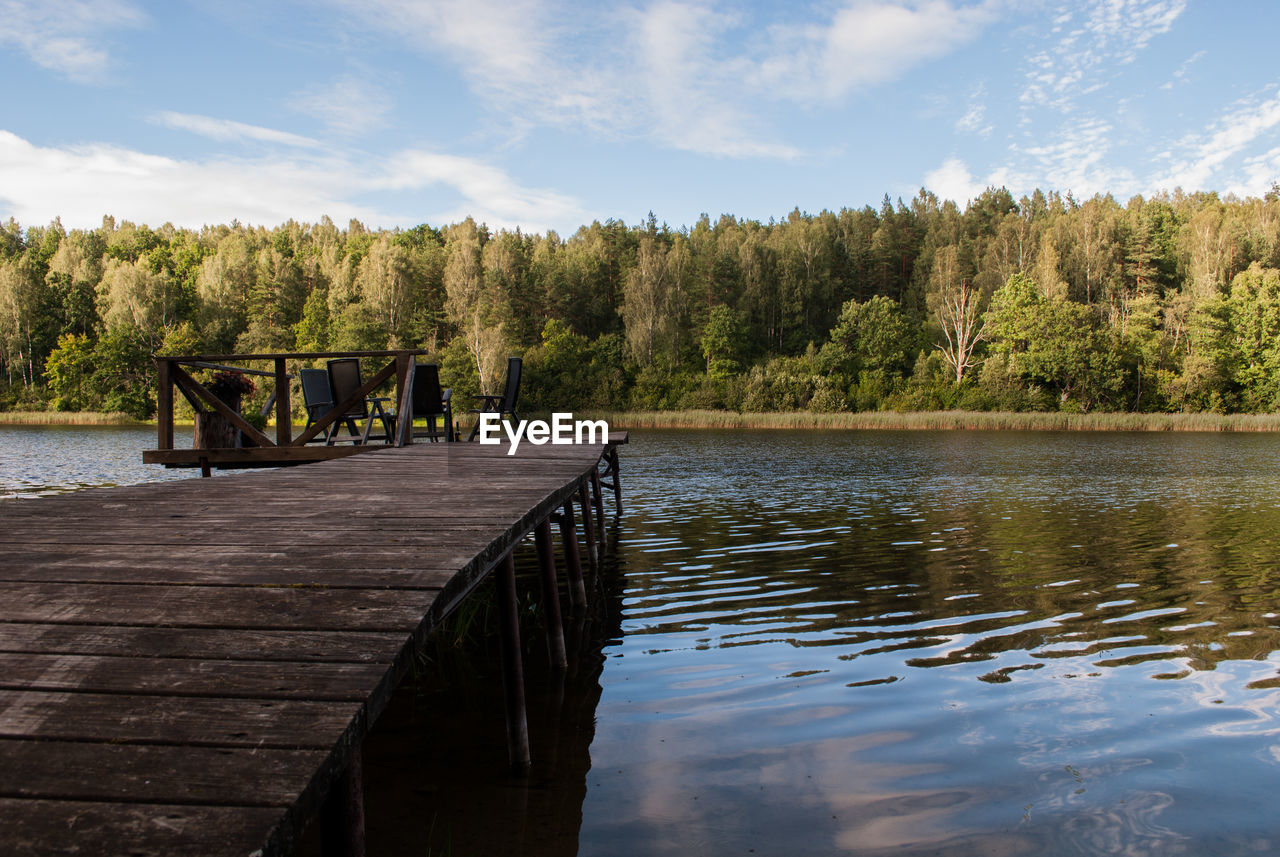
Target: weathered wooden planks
(336, 682)
(133, 829)
(220, 643)
(184, 721)
(253, 607)
(208, 776)
(186, 667)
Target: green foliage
(782, 384)
(1166, 303)
(723, 342)
(123, 375)
(356, 328)
(458, 372)
(873, 337)
(567, 372)
(1254, 312)
(312, 332)
(69, 372)
(1055, 343)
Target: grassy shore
(625, 420)
(923, 420)
(67, 418)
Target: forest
(1045, 303)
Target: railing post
(284, 411)
(164, 405)
(404, 404)
(512, 665)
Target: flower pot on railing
(213, 430)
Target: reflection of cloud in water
(1227, 711)
(1131, 828)
(797, 674)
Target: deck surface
(185, 666)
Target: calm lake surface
(41, 460)
(924, 643)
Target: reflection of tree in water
(1182, 583)
(1009, 634)
(435, 764)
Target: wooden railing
(174, 373)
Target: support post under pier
(588, 528)
(572, 557)
(597, 494)
(342, 820)
(512, 665)
(551, 595)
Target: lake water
(924, 643)
(41, 460)
(891, 643)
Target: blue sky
(548, 115)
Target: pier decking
(190, 667)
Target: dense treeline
(1165, 304)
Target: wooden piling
(550, 595)
(613, 478)
(597, 495)
(573, 557)
(512, 665)
(342, 818)
(588, 528)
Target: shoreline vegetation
(806, 420)
(942, 420)
(68, 418)
(1166, 305)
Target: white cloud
(704, 96)
(863, 43)
(520, 54)
(1085, 51)
(227, 130)
(1180, 74)
(952, 180)
(868, 42)
(349, 105)
(1075, 161)
(1125, 27)
(66, 36)
(490, 194)
(82, 183)
(1208, 155)
(973, 120)
(1261, 172)
(693, 97)
(676, 71)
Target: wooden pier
(190, 667)
(281, 446)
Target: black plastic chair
(431, 403)
(344, 379)
(504, 404)
(317, 398)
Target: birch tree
(470, 306)
(19, 308)
(135, 295)
(646, 301)
(956, 305)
